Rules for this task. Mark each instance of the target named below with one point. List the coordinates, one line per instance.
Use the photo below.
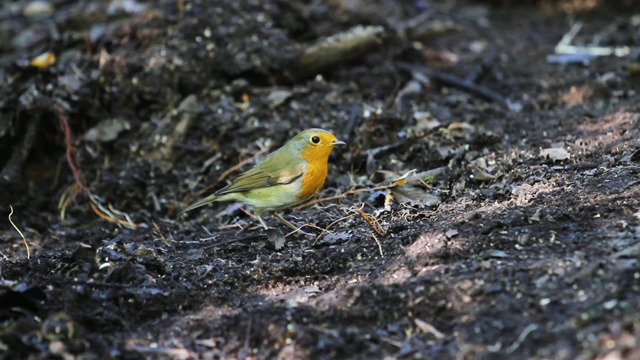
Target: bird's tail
(197, 204)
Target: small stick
(63, 119)
(296, 228)
(482, 92)
(26, 244)
(377, 242)
(244, 352)
(522, 337)
(108, 215)
(299, 229)
(373, 222)
(340, 196)
(564, 46)
(166, 242)
(230, 226)
(286, 222)
(325, 230)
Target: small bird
(285, 178)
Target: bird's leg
(295, 228)
(256, 215)
(264, 225)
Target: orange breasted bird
(285, 178)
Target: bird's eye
(315, 140)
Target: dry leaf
(38, 8)
(403, 179)
(388, 200)
(459, 130)
(575, 96)
(278, 97)
(481, 174)
(414, 195)
(107, 130)
(276, 238)
(451, 233)
(555, 154)
(536, 216)
(427, 328)
(424, 121)
(43, 60)
(493, 253)
(335, 237)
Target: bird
(285, 178)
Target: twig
(164, 239)
(68, 140)
(372, 221)
(330, 225)
(299, 229)
(161, 351)
(110, 215)
(296, 228)
(66, 198)
(398, 182)
(455, 82)
(377, 242)
(26, 244)
(340, 196)
(103, 283)
(79, 185)
(564, 46)
(244, 352)
(521, 338)
(230, 241)
(568, 37)
(231, 226)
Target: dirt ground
(516, 236)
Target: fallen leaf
(424, 121)
(44, 60)
(278, 97)
(335, 237)
(536, 216)
(402, 179)
(555, 154)
(427, 328)
(634, 157)
(629, 251)
(312, 289)
(482, 175)
(493, 253)
(276, 238)
(388, 200)
(451, 233)
(459, 130)
(38, 8)
(414, 195)
(107, 130)
(575, 96)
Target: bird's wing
(280, 167)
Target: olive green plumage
(286, 177)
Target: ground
(517, 235)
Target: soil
(517, 235)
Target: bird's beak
(338, 142)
